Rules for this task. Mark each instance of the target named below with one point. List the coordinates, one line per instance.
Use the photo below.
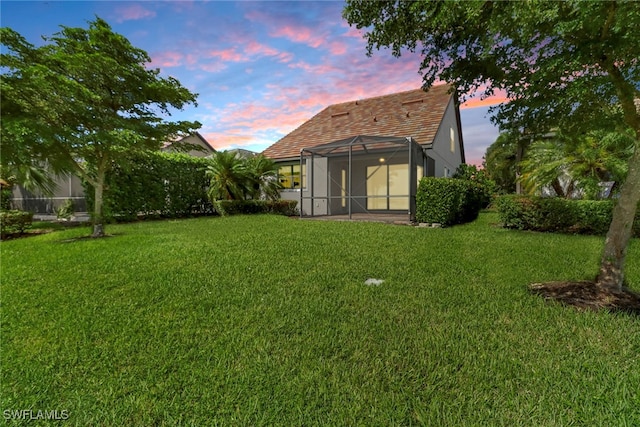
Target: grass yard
(266, 321)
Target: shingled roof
(413, 113)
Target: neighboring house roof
(242, 153)
(413, 113)
(194, 139)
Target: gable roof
(194, 139)
(413, 113)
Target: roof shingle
(413, 113)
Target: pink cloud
(227, 55)
(166, 59)
(285, 57)
(314, 69)
(255, 48)
(299, 34)
(338, 48)
(480, 100)
(212, 68)
(225, 140)
(354, 32)
(133, 12)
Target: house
(69, 187)
(200, 147)
(367, 156)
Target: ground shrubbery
(449, 201)
(557, 215)
(14, 222)
(233, 207)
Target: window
(447, 172)
(289, 176)
(452, 140)
(387, 187)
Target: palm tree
(546, 165)
(263, 178)
(228, 177)
(598, 157)
(567, 163)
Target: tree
(228, 176)
(501, 163)
(571, 65)
(83, 100)
(263, 178)
(568, 163)
(236, 177)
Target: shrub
(517, 212)
(283, 207)
(594, 216)
(6, 197)
(14, 222)
(155, 184)
(486, 187)
(448, 201)
(558, 215)
(234, 207)
(66, 210)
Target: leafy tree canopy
(569, 64)
(83, 99)
(501, 162)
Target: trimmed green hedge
(14, 222)
(6, 197)
(448, 201)
(558, 215)
(233, 207)
(155, 184)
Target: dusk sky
(260, 68)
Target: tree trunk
(98, 220)
(519, 156)
(611, 274)
(557, 187)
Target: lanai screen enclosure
(363, 174)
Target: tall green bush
(557, 215)
(448, 201)
(155, 184)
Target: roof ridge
(420, 89)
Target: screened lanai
(362, 175)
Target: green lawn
(266, 320)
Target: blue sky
(260, 68)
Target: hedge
(558, 215)
(233, 207)
(14, 222)
(155, 184)
(448, 201)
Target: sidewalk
(77, 217)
